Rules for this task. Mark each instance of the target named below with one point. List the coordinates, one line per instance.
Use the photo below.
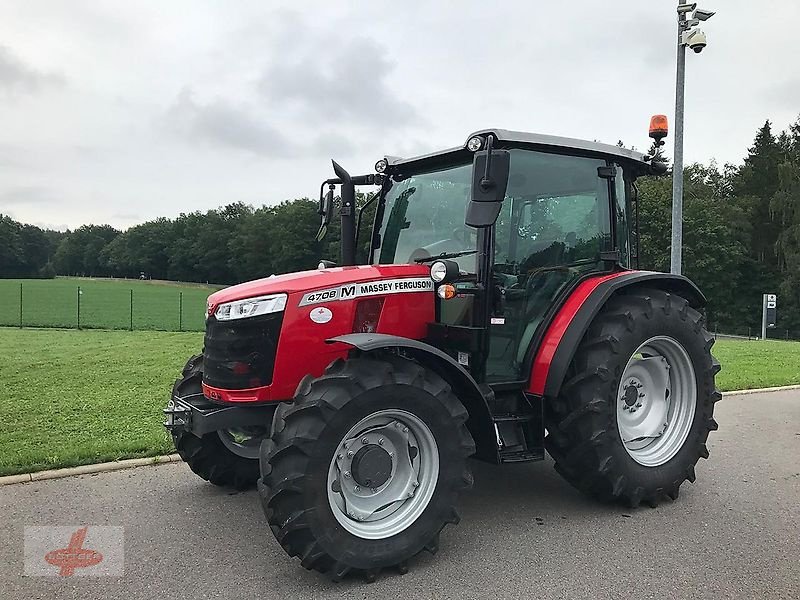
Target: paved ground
(734, 533)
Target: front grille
(240, 354)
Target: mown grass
(76, 397)
(749, 364)
(104, 303)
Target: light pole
(688, 35)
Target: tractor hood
(307, 281)
(320, 305)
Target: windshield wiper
(445, 255)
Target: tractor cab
(509, 223)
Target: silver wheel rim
(656, 401)
(243, 441)
(387, 509)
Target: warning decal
(369, 288)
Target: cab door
(554, 225)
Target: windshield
(424, 216)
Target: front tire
(225, 458)
(365, 465)
(634, 414)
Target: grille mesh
(240, 354)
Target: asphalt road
(524, 532)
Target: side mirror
(327, 207)
(490, 170)
(326, 210)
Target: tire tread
(580, 421)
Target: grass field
(757, 364)
(74, 397)
(104, 303)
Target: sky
(121, 112)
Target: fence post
(79, 307)
(20, 306)
(180, 311)
(131, 309)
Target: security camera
(695, 39)
(703, 15)
(686, 7)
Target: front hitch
(198, 416)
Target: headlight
(444, 270)
(251, 307)
(381, 165)
(438, 271)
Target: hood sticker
(368, 288)
(321, 315)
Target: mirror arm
(486, 182)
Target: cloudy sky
(119, 112)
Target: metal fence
(101, 305)
(754, 333)
(163, 306)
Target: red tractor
(498, 315)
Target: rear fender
(471, 395)
(568, 327)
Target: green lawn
(104, 303)
(74, 397)
(753, 364)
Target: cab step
(519, 428)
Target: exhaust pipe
(348, 214)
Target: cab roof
(534, 141)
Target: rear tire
(587, 423)
(302, 475)
(208, 456)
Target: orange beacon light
(658, 127)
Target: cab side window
(622, 207)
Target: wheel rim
(243, 441)
(656, 401)
(383, 474)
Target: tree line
(741, 237)
(741, 231)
